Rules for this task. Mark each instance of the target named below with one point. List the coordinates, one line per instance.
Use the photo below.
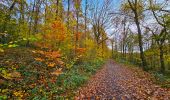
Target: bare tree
(100, 18)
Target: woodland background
(52, 47)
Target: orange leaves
(81, 50)
(57, 72)
(39, 59)
(48, 54)
(57, 24)
(53, 54)
(54, 33)
(57, 31)
(51, 64)
(78, 35)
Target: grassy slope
(33, 79)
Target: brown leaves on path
(120, 82)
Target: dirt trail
(117, 82)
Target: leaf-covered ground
(119, 82)
(36, 74)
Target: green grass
(77, 76)
(68, 82)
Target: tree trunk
(77, 27)
(85, 22)
(68, 14)
(57, 9)
(112, 48)
(133, 4)
(162, 58)
(31, 18)
(36, 16)
(144, 64)
(22, 12)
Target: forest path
(118, 82)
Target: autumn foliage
(54, 34)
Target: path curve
(117, 82)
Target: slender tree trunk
(46, 10)
(112, 48)
(22, 12)
(30, 23)
(85, 22)
(31, 17)
(162, 58)
(144, 64)
(76, 34)
(77, 28)
(102, 45)
(36, 17)
(133, 4)
(57, 9)
(124, 36)
(68, 14)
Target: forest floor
(119, 82)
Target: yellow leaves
(19, 94)
(51, 64)
(5, 74)
(4, 90)
(57, 72)
(1, 50)
(9, 46)
(10, 75)
(39, 59)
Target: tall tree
(77, 4)
(57, 8)
(36, 15)
(100, 18)
(68, 13)
(135, 6)
(163, 23)
(85, 20)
